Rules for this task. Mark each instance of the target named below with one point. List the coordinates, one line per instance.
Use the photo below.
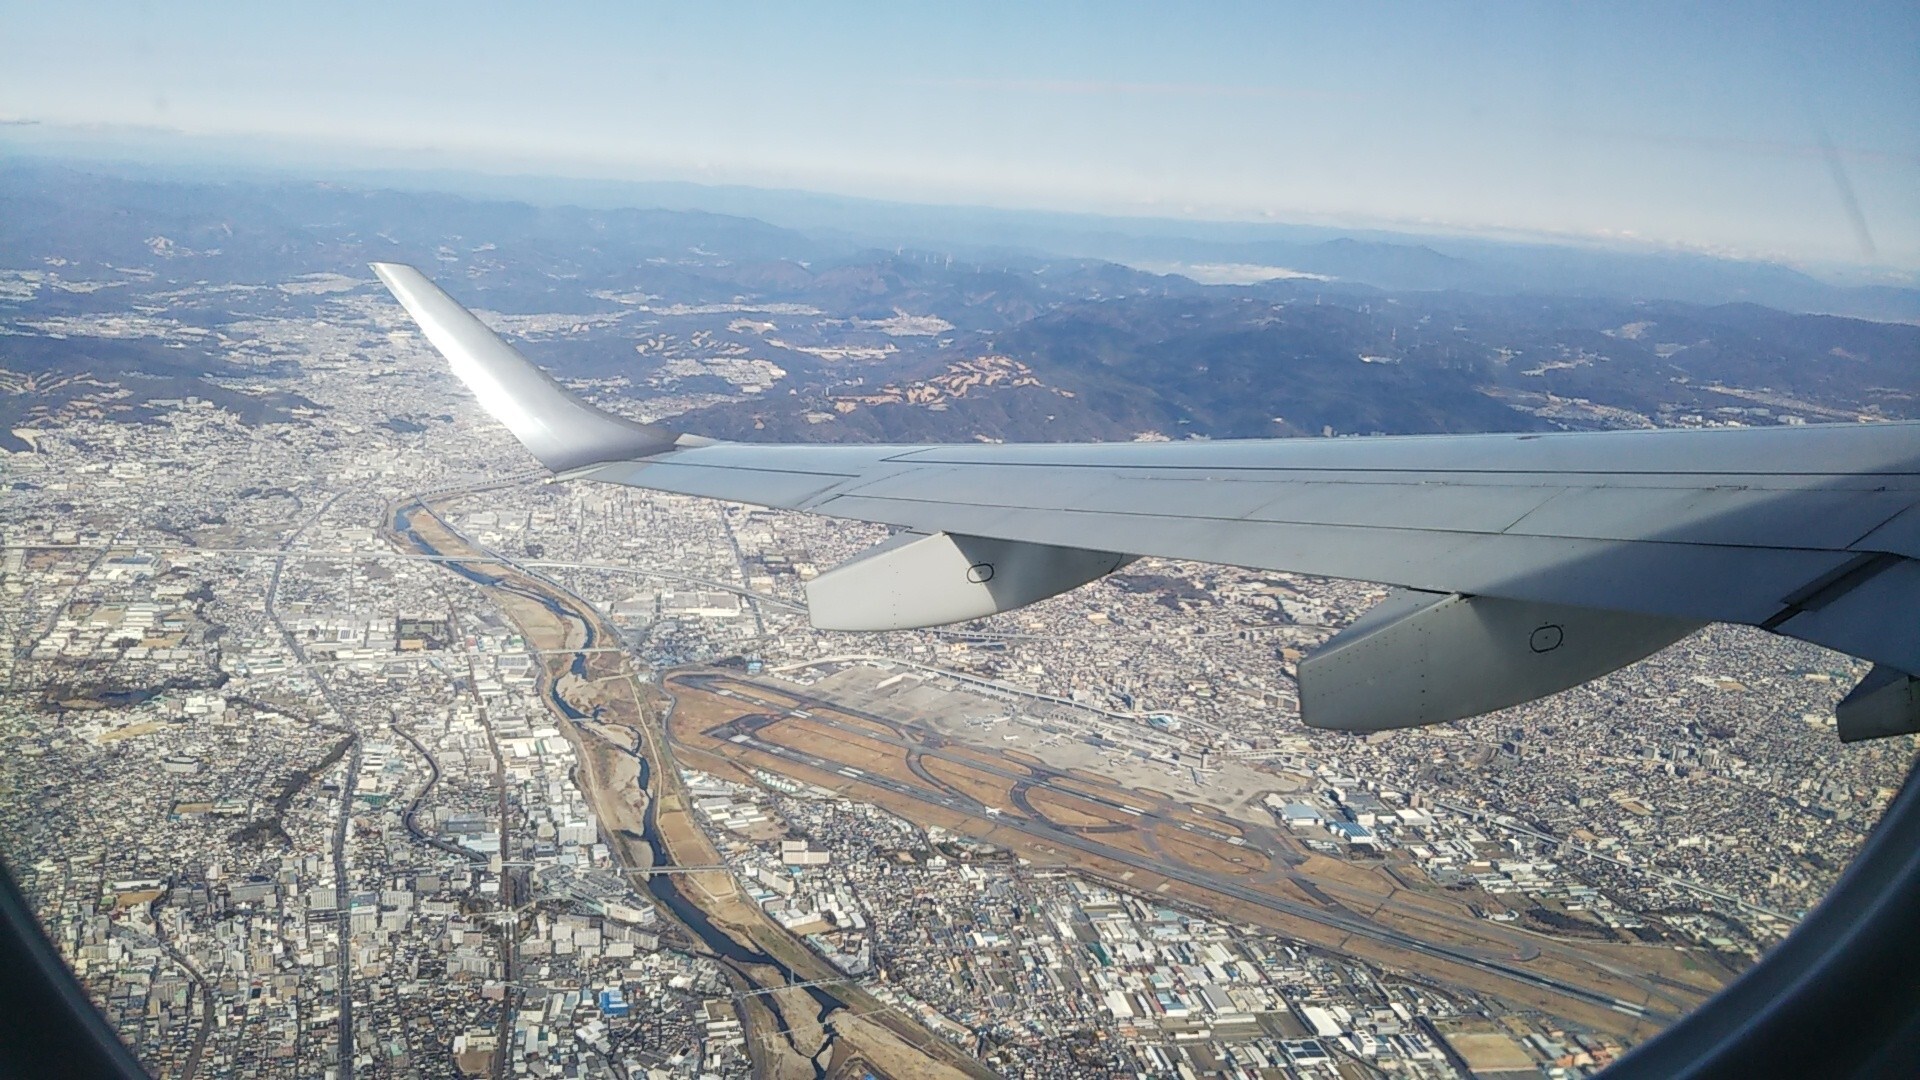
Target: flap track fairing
(1886, 702)
(1424, 658)
(916, 580)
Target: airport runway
(743, 731)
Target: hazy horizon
(172, 156)
(1783, 135)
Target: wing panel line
(1412, 529)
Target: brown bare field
(986, 758)
(1437, 971)
(1144, 799)
(776, 1057)
(1439, 919)
(889, 1054)
(985, 789)
(1435, 904)
(1286, 889)
(694, 712)
(1555, 958)
(1071, 812)
(1490, 1051)
(1179, 813)
(774, 698)
(1325, 871)
(1208, 854)
(1433, 970)
(860, 726)
(131, 731)
(1217, 820)
(770, 696)
(822, 733)
(827, 741)
(541, 627)
(1692, 967)
(708, 757)
(614, 775)
(1075, 780)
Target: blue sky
(1695, 125)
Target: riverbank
(614, 722)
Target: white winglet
(564, 432)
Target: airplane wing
(1521, 564)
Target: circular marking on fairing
(980, 573)
(1546, 638)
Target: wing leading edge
(1811, 532)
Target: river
(738, 956)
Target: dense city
(300, 786)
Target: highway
(344, 1026)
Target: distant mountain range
(1395, 261)
(831, 339)
(1287, 359)
(1388, 260)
